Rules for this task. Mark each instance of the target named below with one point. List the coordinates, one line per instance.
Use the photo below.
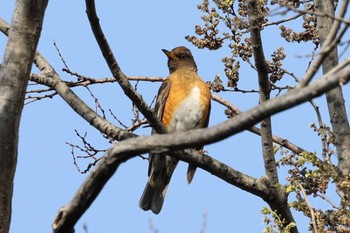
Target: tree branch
(50, 78)
(15, 69)
(93, 184)
(254, 18)
(335, 100)
(68, 215)
(311, 209)
(276, 198)
(280, 141)
(116, 71)
(89, 81)
(76, 103)
(329, 40)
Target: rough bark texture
(68, 215)
(14, 74)
(276, 199)
(335, 100)
(264, 90)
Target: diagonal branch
(50, 78)
(335, 100)
(69, 215)
(328, 45)
(116, 71)
(93, 184)
(78, 105)
(280, 141)
(89, 81)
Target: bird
(182, 103)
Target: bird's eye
(183, 56)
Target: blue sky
(46, 177)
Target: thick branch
(329, 40)
(70, 214)
(78, 105)
(254, 17)
(276, 199)
(14, 74)
(335, 99)
(163, 143)
(89, 81)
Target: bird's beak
(169, 54)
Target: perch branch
(69, 215)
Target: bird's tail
(157, 185)
(192, 168)
(190, 173)
(153, 198)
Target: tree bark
(335, 100)
(276, 199)
(69, 215)
(264, 91)
(14, 74)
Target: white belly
(189, 114)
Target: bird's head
(180, 57)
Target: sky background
(46, 177)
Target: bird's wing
(205, 122)
(207, 115)
(162, 96)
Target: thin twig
(60, 55)
(283, 20)
(311, 209)
(323, 196)
(97, 103)
(322, 132)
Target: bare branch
(277, 199)
(335, 100)
(280, 141)
(60, 55)
(328, 45)
(69, 215)
(97, 103)
(88, 149)
(116, 71)
(322, 131)
(127, 149)
(283, 20)
(15, 69)
(50, 78)
(312, 212)
(255, 17)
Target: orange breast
(182, 84)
